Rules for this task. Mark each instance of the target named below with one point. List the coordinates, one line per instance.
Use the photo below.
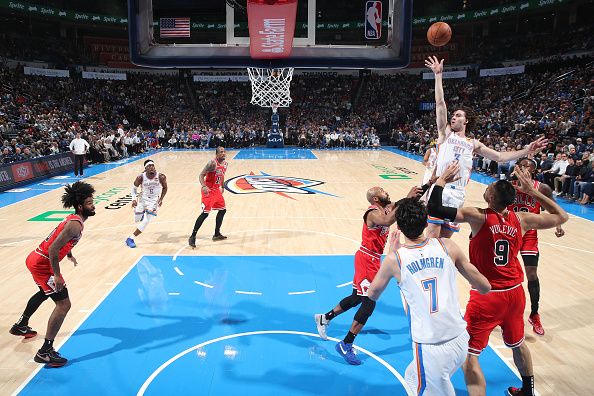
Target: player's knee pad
(351, 301)
(221, 213)
(365, 310)
(147, 219)
(530, 260)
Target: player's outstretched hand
(435, 65)
(525, 184)
(538, 145)
(415, 192)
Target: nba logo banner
(373, 20)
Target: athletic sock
(47, 345)
(528, 385)
(350, 338)
(23, 321)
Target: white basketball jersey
(428, 284)
(151, 188)
(456, 148)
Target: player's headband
(149, 163)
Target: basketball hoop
(271, 87)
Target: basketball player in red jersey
(44, 265)
(529, 249)
(496, 240)
(211, 179)
(377, 219)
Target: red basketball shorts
(503, 308)
(42, 273)
(529, 244)
(213, 200)
(366, 267)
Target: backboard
(342, 34)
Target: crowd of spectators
(555, 97)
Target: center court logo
(265, 183)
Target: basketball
(439, 34)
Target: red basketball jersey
(494, 249)
(526, 203)
(44, 246)
(373, 239)
(215, 178)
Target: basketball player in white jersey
(429, 161)
(453, 145)
(425, 269)
(145, 204)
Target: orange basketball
(439, 34)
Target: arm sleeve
(435, 207)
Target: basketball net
(271, 87)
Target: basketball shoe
(512, 391)
(50, 357)
(322, 324)
(24, 331)
(534, 320)
(219, 237)
(347, 352)
(130, 242)
(192, 241)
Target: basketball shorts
(503, 308)
(452, 198)
(149, 207)
(42, 272)
(213, 200)
(529, 244)
(366, 267)
(433, 365)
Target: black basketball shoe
(50, 357)
(24, 331)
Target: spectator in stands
(27, 154)
(6, 156)
(562, 180)
(557, 170)
(585, 177)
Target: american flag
(174, 27)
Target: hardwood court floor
(323, 219)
